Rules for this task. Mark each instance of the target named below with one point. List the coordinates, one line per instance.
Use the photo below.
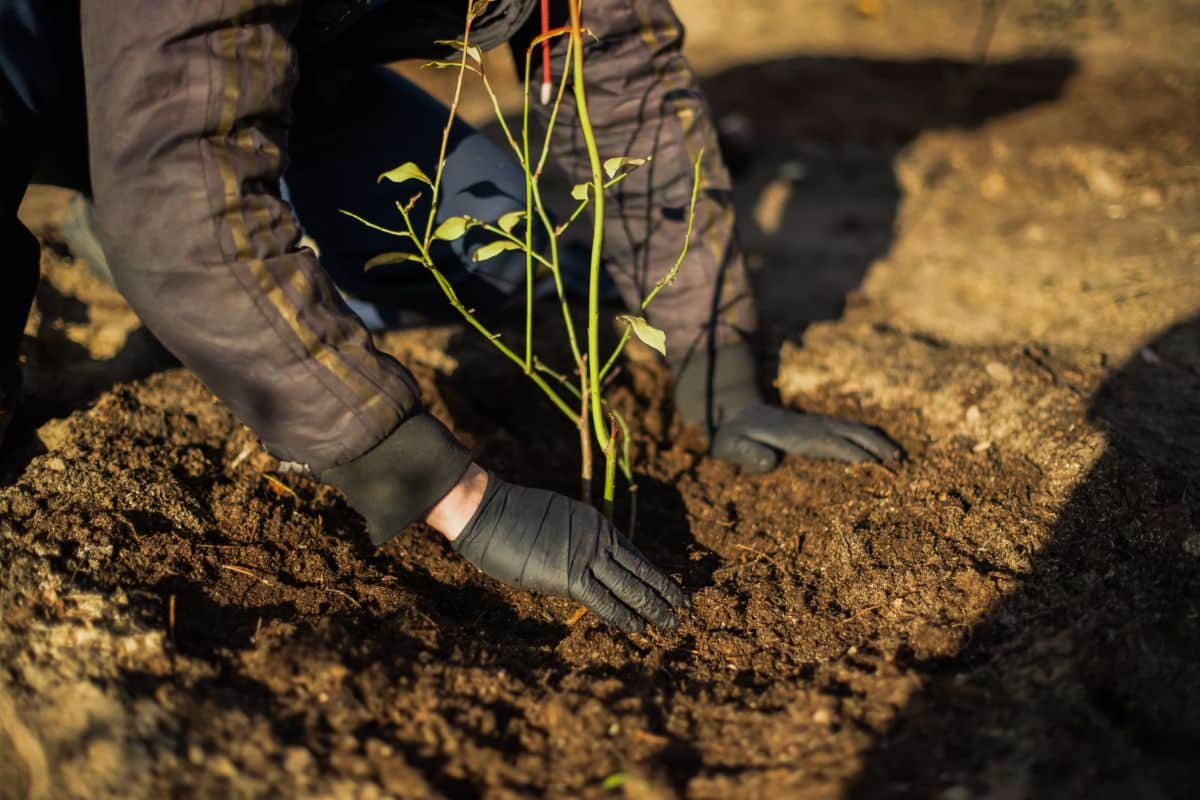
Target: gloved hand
(545, 542)
(720, 394)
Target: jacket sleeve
(188, 112)
(645, 100)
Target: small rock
(982, 447)
(1034, 233)
(993, 186)
(956, 793)
(297, 760)
(54, 434)
(999, 373)
(55, 464)
(974, 415)
(1150, 198)
(220, 765)
(822, 716)
(614, 729)
(1103, 183)
(1150, 357)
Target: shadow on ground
(811, 142)
(1093, 660)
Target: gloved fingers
(870, 440)
(634, 592)
(729, 444)
(831, 446)
(802, 434)
(607, 606)
(632, 559)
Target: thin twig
(246, 572)
(670, 276)
(441, 165)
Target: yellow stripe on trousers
(720, 228)
(370, 398)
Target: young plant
(593, 416)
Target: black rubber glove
(720, 394)
(545, 542)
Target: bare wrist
(452, 513)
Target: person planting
(200, 113)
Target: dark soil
(1014, 611)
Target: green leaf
(392, 258)
(612, 165)
(449, 65)
(510, 220)
(493, 249)
(405, 172)
(453, 228)
(473, 52)
(649, 334)
(580, 191)
(614, 781)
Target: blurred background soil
(973, 224)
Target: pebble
(993, 186)
(297, 760)
(974, 415)
(999, 373)
(1150, 198)
(1104, 184)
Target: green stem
(531, 183)
(528, 223)
(610, 472)
(373, 226)
(494, 338)
(441, 164)
(562, 227)
(589, 138)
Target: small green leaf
(510, 220)
(614, 781)
(405, 172)
(449, 65)
(493, 249)
(473, 52)
(612, 165)
(392, 258)
(580, 191)
(649, 334)
(453, 228)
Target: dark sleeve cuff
(711, 388)
(396, 482)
